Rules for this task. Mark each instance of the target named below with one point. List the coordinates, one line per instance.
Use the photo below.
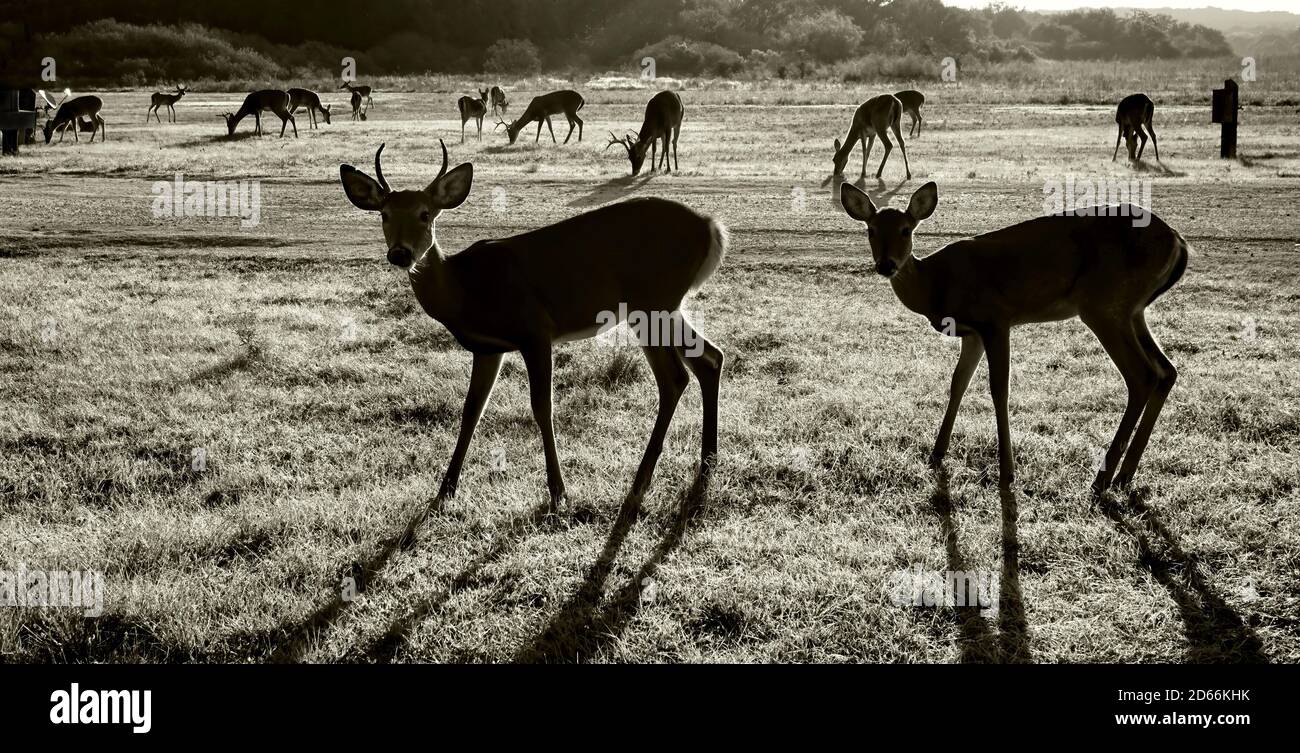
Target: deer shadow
(1159, 168)
(1215, 631)
(292, 648)
(385, 648)
(878, 192)
(612, 189)
(978, 642)
(582, 626)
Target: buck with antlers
(1103, 268)
(364, 91)
(872, 119)
(271, 100)
(1133, 114)
(159, 100)
(663, 120)
(300, 98)
(472, 108)
(70, 113)
(499, 103)
(566, 102)
(911, 101)
(528, 292)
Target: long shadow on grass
(1216, 633)
(384, 649)
(295, 644)
(614, 188)
(978, 643)
(582, 626)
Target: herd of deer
(528, 292)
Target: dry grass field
(325, 403)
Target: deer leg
(1142, 135)
(257, 124)
(463, 119)
(292, 122)
(482, 378)
(972, 349)
(1165, 377)
(704, 360)
(997, 345)
(570, 133)
(1119, 135)
(537, 359)
(866, 152)
(884, 139)
(146, 114)
(671, 377)
(1120, 341)
(903, 148)
(579, 121)
(1154, 145)
(552, 130)
(676, 132)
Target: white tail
(567, 281)
(1104, 267)
(1132, 116)
(872, 119)
(541, 109)
(663, 121)
(271, 100)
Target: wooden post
(1223, 110)
(13, 120)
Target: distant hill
(1228, 21)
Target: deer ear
(923, 201)
(856, 203)
(362, 190)
(451, 190)
(837, 145)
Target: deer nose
(886, 268)
(400, 256)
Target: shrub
(512, 56)
(676, 56)
(828, 35)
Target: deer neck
(914, 286)
(431, 282)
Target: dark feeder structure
(17, 117)
(1223, 110)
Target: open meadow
(237, 424)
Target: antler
(443, 171)
(624, 142)
(379, 171)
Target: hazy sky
(1069, 4)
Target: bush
(108, 51)
(512, 56)
(679, 57)
(828, 36)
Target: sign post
(1223, 110)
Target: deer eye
(424, 217)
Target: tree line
(143, 41)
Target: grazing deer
(358, 111)
(472, 108)
(300, 98)
(70, 112)
(876, 114)
(159, 100)
(911, 100)
(1101, 268)
(499, 103)
(1134, 112)
(663, 119)
(558, 283)
(272, 100)
(542, 108)
(364, 91)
